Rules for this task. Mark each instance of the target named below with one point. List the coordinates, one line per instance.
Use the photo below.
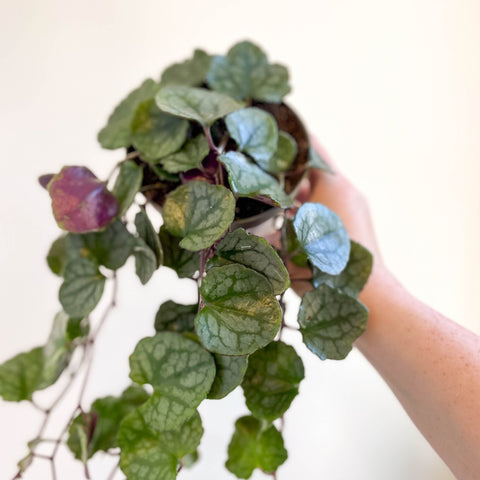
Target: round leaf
(191, 72)
(198, 212)
(197, 104)
(284, 155)
(230, 372)
(249, 180)
(117, 132)
(127, 185)
(255, 132)
(147, 232)
(330, 322)
(156, 134)
(241, 313)
(181, 373)
(81, 202)
(175, 317)
(57, 256)
(272, 379)
(82, 288)
(190, 156)
(255, 253)
(353, 277)
(323, 237)
(253, 447)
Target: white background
(392, 91)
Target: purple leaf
(44, 180)
(80, 201)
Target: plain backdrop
(391, 89)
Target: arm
(431, 363)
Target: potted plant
(215, 149)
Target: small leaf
(190, 73)
(57, 256)
(175, 317)
(230, 372)
(82, 288)
(190, 156)
(102, 423)
(322, 235)
(80, 201)
(117, 133)
(284, 155)
(127, 185)
(272, 379)
(255, 132)
(245, 73)
(39, 368)
(20, 376)
(80, 435)
(255, 253)
(184, 262)
(181, 373)
(354, 276)
(110, 247)
(292, 245)
(149, 455)
(147, 232)
(330, 322)
(249, 180)
(317, 161)
(251, 448)
(241, 313)
(77, 328)
(145, 261)
(197, 104)
(198, 212)
(156, 134)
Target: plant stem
(210, 141)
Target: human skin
(431, 363)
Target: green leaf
(153, 455)
(82, 288)
(184, 262)
(190, 73)
(230, 372)
(101, 425)
(80, 435)
(272, 379)
(284, 155)
(57, 256)
(156, 134)
(275, 86)
(110, 247)
(249, 180)
(181, 373)
(354, 276)
(197, 104)
(255, 253)
(255, 132)
(147, 232)
(315, 160)
(330, 322)
(190, 156)
(127, 185)
(20, 376)
(145, 261)
(57, 352)
(198, 212)
(241, 313)
(117, 133)
(322, 235)
(245, 73)
(252, 447)
(77, 328)
(175, 317)
(39, 368)
(292, 245)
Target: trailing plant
(214, 148)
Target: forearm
(432, 365)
